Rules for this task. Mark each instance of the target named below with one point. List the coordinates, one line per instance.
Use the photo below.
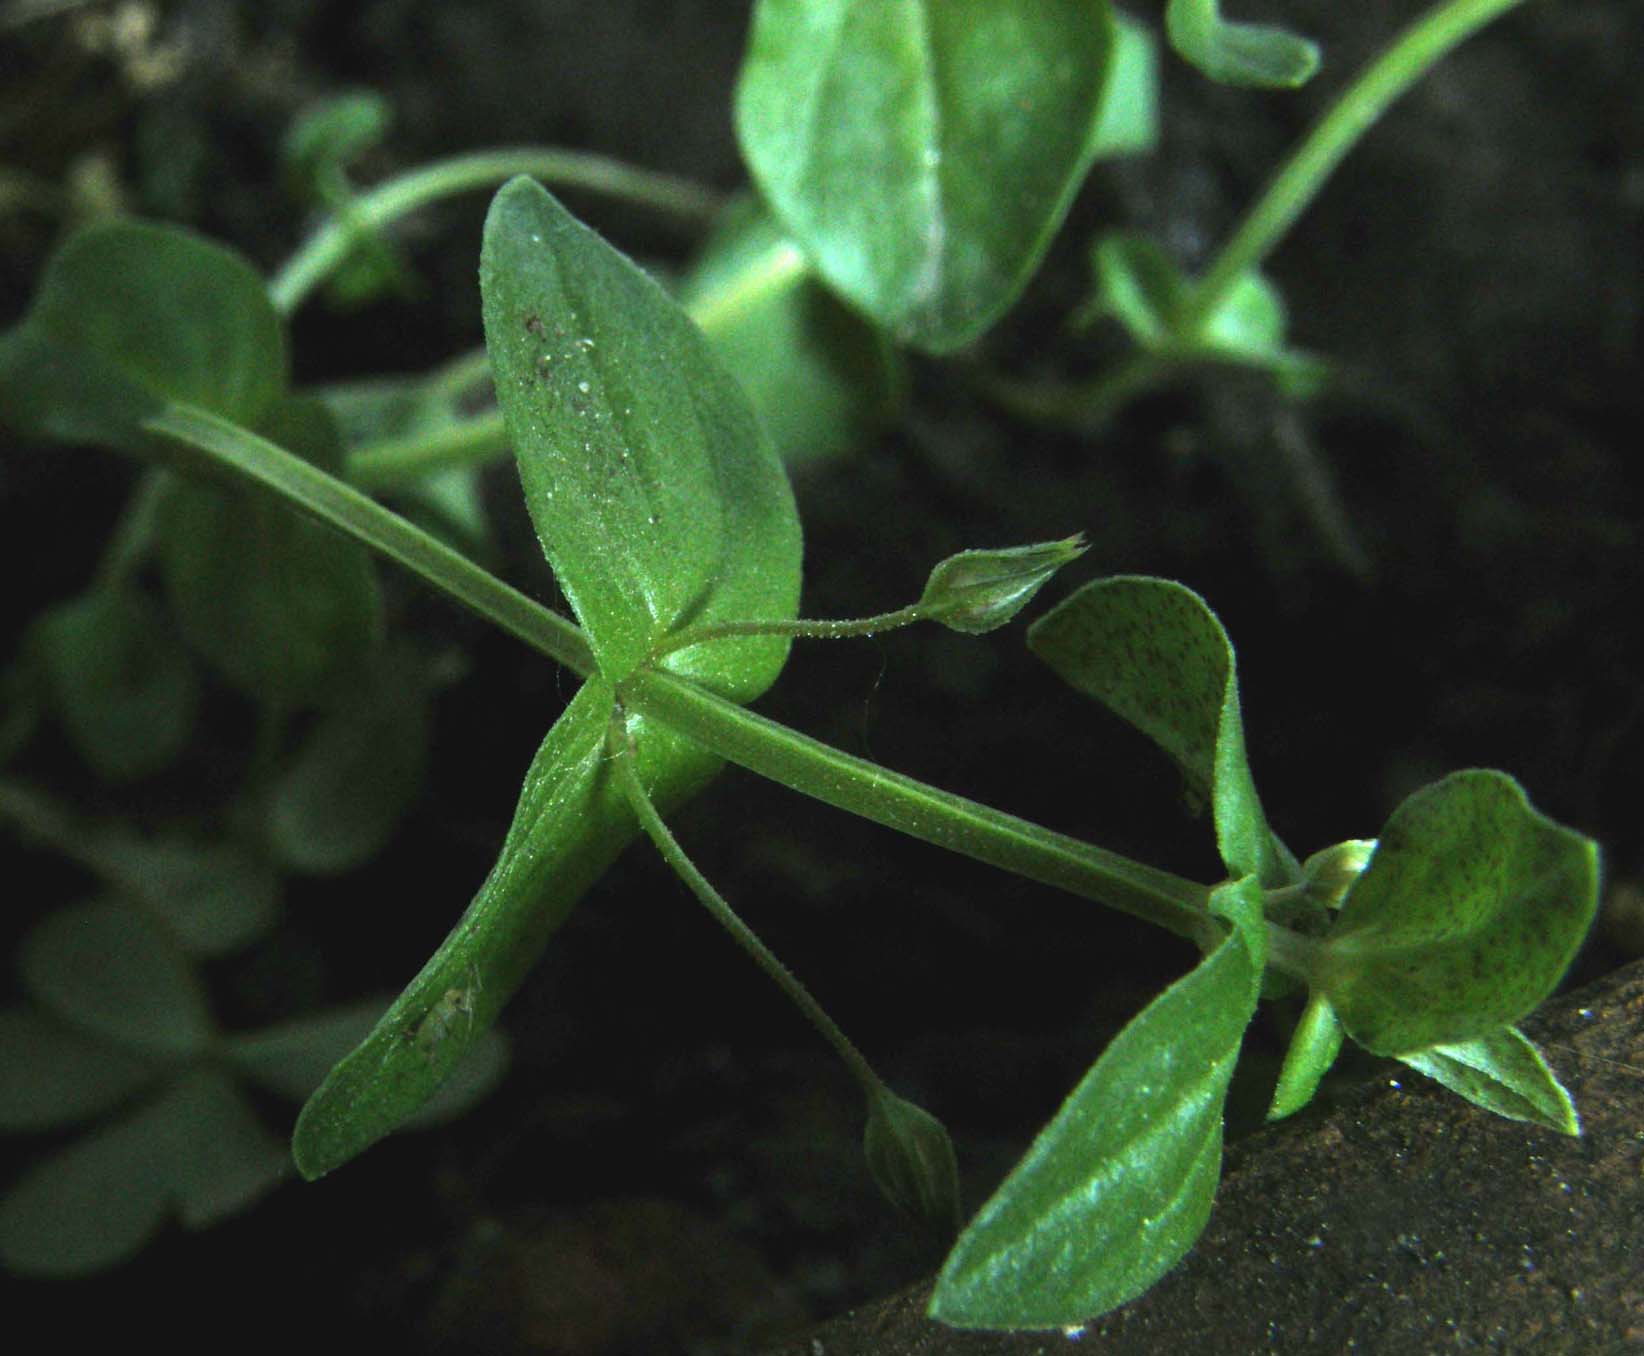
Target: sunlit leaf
(1119, 1185)
(924, 152)
(656, 497)
(1470, 911)
(1313, 1049)
(1257, 55)
(1504, 1073)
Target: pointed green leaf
(821, 377)
(120, 682)
(1154, 654)
(107, 970)
(130, 316)
(1119, 1185)
(1314, 1045)
(571, 822)
(924, 153)
(279, 604)
(657, 499)
(1504, 1073)
(1470, 911)
(911, 1158)
(976, 592)
(56, 1075)
(1139, 285)
(1259, 56)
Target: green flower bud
(911, 1158)
(977, 591)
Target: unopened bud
(911, 1158)
(978, 591)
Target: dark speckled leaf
(1469, 913)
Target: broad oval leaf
(1153, 653)
(571, 822)
(56, 1075)
(130, 316)
(1259, 56)
(821, 377)
(277, 603)
(924, 151)
(1504, 1073)
(657, 498)
(107, 970)
(1471, 909)
(1119, 1185)
(120, 681)
(213, 896)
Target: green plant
(668, 521)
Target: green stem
(807, 628)
(388, 462)
(627, 772)
(964, 826)
(1410, 56)
(345, 508)
(335, 240)
(134, 531)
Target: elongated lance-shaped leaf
(656, 496)
(1260, 56)
(923, 152)
(1471, 909)
(571, 823)
(1504, 1073)
(130, 316)
(1153, 653)
(1313, 1048)
(1119, 1185)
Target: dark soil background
(672, 1163)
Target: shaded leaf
(1471, 909)
(56, 1075)
(1259, 56)
(657, 499)
(924, 153)
(1503, 1073)
(819, 375)
(130, 316)
(278, 604)
(121, 685)
(214, 897)
(108, 971)
(1154, 654)
(1119, 1185)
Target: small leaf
(976, 592)
(1313, 1049)
(571, 822)
(108, 971)
(1470, 911)
(924, 153)
(821, 377)
(1127, 123)
(197, 1149)
(330, 136)
(1258, 56)
(657, 499)
(1119, 1185)
(1331, 872)
(1140, 286)
(121, 685)
(1154, 654)
(130, 316)
(1504, 1073)
(56, 1075)
(336, 805)
(278, 604)
(214, 897)
(911, 1158)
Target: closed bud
(911, 1158)
(978, 591)
(1329, 873)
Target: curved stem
(343, 507)
(336, 238)
(716, 904)
(801, 627)
(809, 766)
(1410, 56)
